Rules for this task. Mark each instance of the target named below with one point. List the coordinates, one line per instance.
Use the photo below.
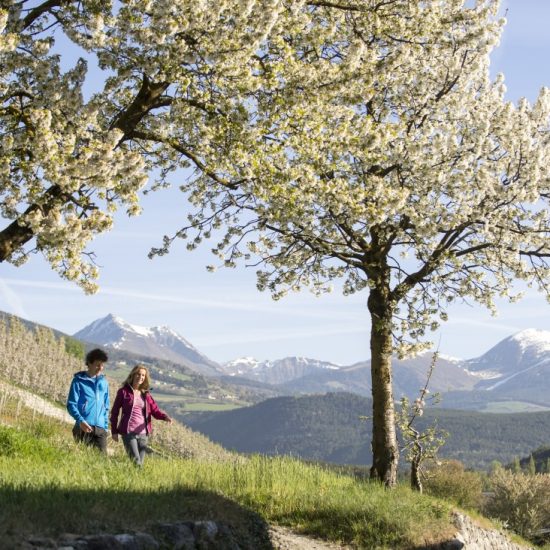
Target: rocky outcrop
(471, 536)
(198, 535)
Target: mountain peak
(278, 371)
(114, 320)
(162, 342)
(532, 338)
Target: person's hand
(168, 419)
(85, 427)
(115, 437)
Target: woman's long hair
(146, 384)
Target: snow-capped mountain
(516, 370)
(161, 342)
(409, 377)
(277, 372)
(521, 359)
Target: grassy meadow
(49, 485)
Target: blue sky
(222, 313)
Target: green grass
(210, 406)
(180, 376)
(513, 407)
(118, 372)
(50, 485)
(164, 397)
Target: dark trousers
(136, 447)
(96, 438)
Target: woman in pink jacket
(137, 406)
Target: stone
(178, 535)
(42, 542)
(137, 541)
(101, 542)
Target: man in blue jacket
(88, 402)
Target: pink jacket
(124, 400)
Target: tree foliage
(521, 500)
(399, 168)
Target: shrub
(451, 481)
(74, 347)
(520, 500)
(21, 443)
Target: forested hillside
(330, 427)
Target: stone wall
(209, 535)
(471, 536)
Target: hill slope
(36, 360)
(329, 428)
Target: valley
(495, 407)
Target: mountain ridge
(160, 341)
(515, 370)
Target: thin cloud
(247, 304)
(485, 324)
(12, 299)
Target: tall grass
(36, 359)
(49, 485)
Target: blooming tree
(359, 140)
(177, 79)
(399, 168)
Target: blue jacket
(88, 400)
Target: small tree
(419, 447)
(532, 468)
(450, 480)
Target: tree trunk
(385, 452)
(416, 482)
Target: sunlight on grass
(69, 487)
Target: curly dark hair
(96, 355)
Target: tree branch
(149, 97)
(16, 234)
(148, 136)
(36, 12)
(335, 5)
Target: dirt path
(284, 539)
(35, 403)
